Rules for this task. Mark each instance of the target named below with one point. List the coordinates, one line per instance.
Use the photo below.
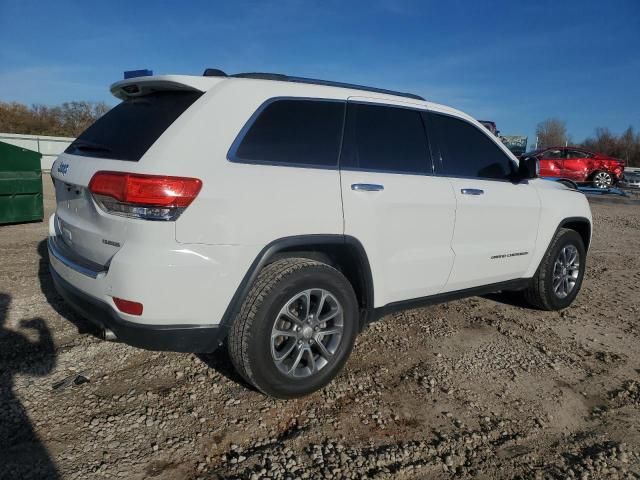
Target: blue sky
(514, 62)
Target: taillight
(127, 306)
(149, 197)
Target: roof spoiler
(139, 86)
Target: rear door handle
(367, 187)
(472, 191)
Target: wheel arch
(598, 169)
(581, 225)
(568, 182)
(342, 252)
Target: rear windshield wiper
(87, 146)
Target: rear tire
(559, 277)
(296, 328)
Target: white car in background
(284, 214)
(631, 178)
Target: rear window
(303, 133)
(532, 153)
(129, 129)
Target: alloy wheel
(602, 180)
(307, 333)
(566, 270)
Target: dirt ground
(475, 388)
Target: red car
(579, 166)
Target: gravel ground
(474, 388)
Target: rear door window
(572, 154)
(553, 154)
(383, 138)
(129, 129)
(467, 151)
(304, 133)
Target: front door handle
(472, 191)
(367, 187)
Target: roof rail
(286, 78)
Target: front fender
(559, 206)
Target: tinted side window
(467, 151)
(577, 154)
(128, 130)
(553, 154)
(296, 132)
(384, 138)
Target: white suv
(283, 214)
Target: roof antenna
(213, 72)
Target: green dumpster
(20, 184)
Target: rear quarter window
(129, 129)
(296, 132)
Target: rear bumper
(176, 338)
(178, 284)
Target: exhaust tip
(109, 336)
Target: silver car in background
(631, 178)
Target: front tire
(602, 179)
(296, 328)
(559, 277)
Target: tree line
(66, 120)
(552, 132)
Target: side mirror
(529, 168)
